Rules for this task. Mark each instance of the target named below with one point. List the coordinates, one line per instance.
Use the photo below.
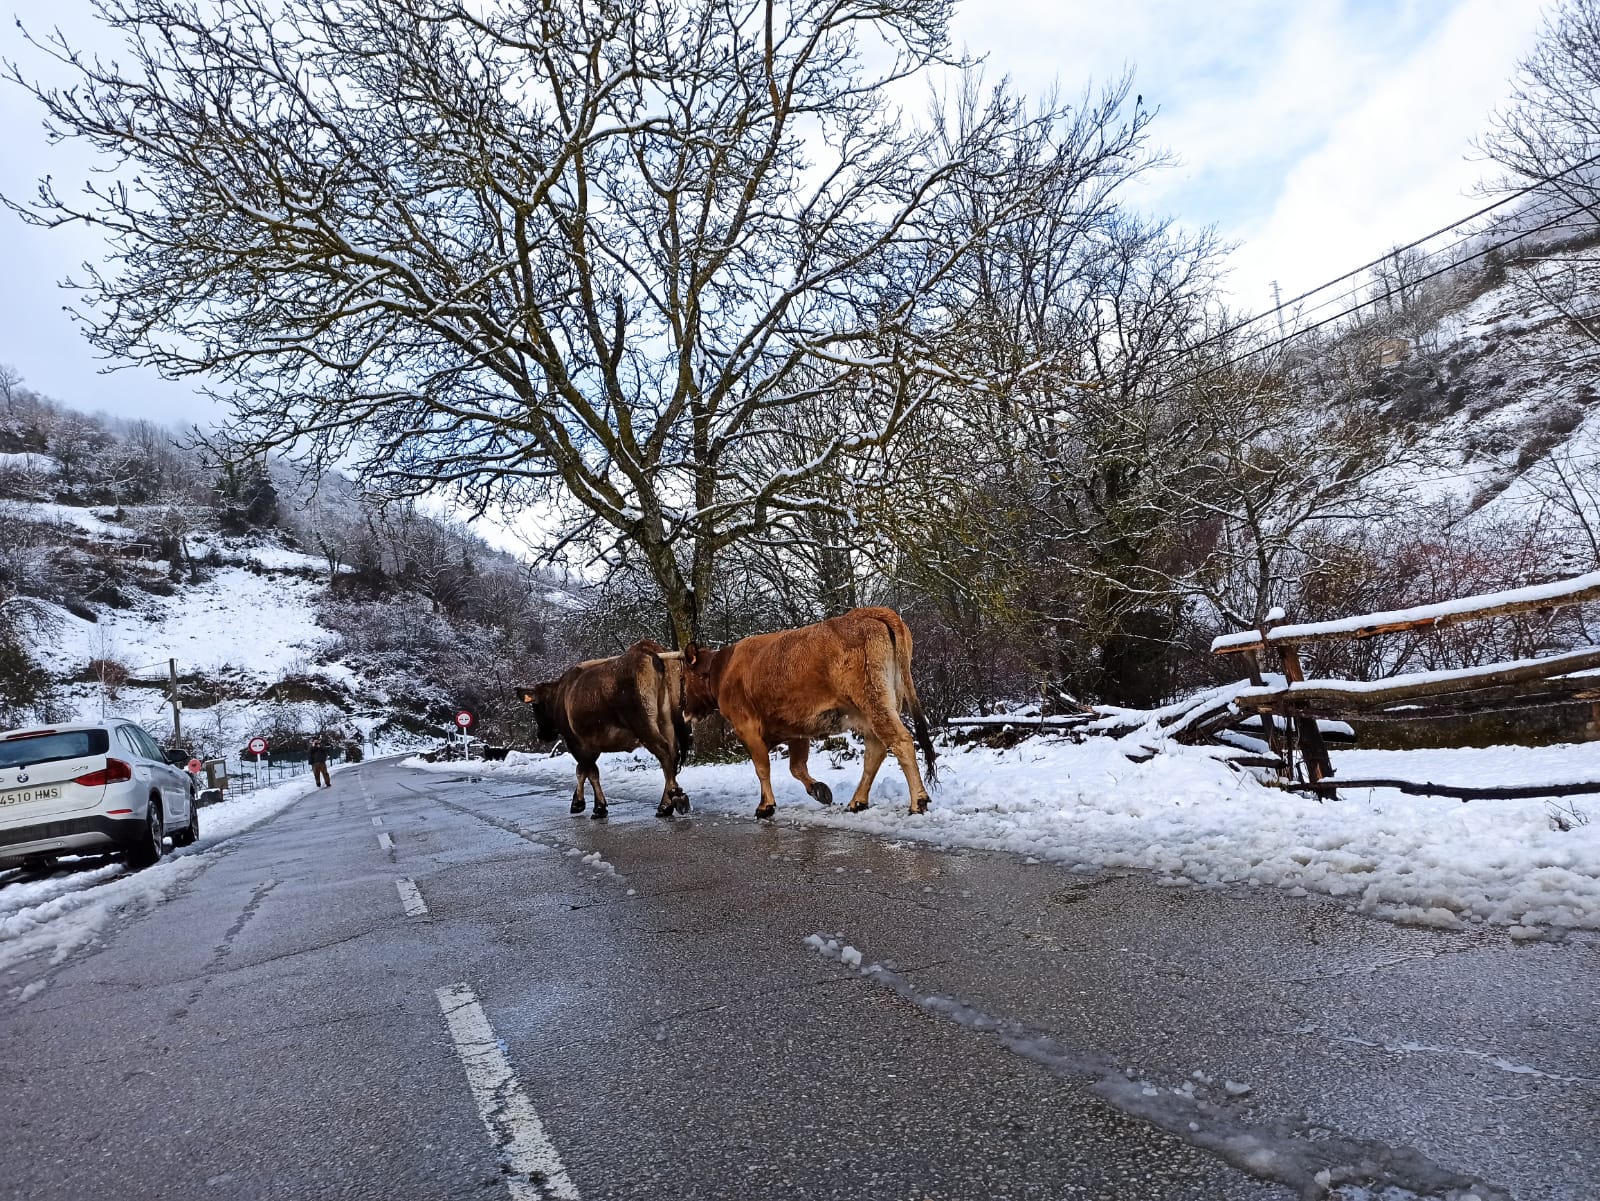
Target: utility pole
(1277, 307)
(177, 705)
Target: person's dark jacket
(317, 756)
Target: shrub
(111, 676)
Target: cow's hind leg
(593, 772)
(577, 793)
(673, 798)
(881, 711)
(869, 770)
(799, 758)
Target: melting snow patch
(1187, 818)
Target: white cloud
(1315, 134)
(1396, 165)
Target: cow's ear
(527, 695)
(691, 654)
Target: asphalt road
(643, 1010)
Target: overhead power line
(1356, 308)
(1414, 243)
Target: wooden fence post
(1318, 766)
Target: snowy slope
(1500, 382)
(261, 623)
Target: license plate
(23, 795)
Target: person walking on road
(317, 756)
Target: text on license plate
(23, 795)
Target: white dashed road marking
(385, 841)
(411, 898)
(377, 821)
(536, 1170)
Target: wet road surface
(428, 986)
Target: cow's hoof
(664, 810)
(766, 812)
(856, 806)
(920, 805)
(821, 792)
(577, 807)
(599, 814)
(681, 801)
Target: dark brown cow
(618, 704)
(849, 672)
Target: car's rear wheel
(190, 834)
(147, 847)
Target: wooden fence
(1515, 685)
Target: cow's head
(542, 697)
(699, 681)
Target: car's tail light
(114, 772)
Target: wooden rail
(1320, 694)
(1538, 598)
(1502, 685)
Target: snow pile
(68, 910)
(1186, 816)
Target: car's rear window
(47, 748)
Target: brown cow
(849, 672)
(618, 704)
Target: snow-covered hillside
(1498, 381)
(244, 615)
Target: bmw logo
(22, 777)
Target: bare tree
(1566, 485)
(1550, 127)
(10, 386)
(563, 256)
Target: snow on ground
(268, 557)
(262, 622)
(30, 463)
(70, 908)
(49, 512)
(1191, 819)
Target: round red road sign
(194, 767)
(258, 746)
(464, 719)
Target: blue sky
(1313, 133)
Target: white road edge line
(514, 1126)
(377, 821)
(411, 898)
(385, 841)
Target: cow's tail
(900, 639)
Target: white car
(91, 789)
